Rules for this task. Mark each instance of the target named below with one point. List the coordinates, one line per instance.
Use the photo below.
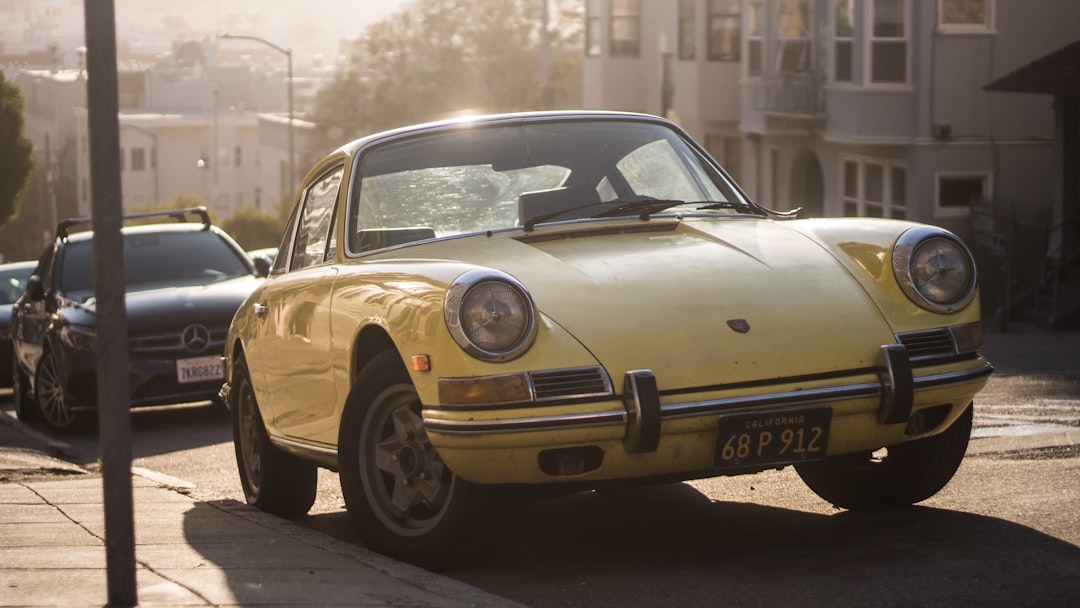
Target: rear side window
(313, 233)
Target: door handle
(261, 309)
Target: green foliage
(254, 229)
(15, 150)
(438, 58)
(183, 200)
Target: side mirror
(262, 266)
(35, 290)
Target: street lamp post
(288, 56)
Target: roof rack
(180, 215)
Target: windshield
(509, 175)
(151, 261)
(13, 282)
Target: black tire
(403, 500)
(53, 401)
(26, 407)
(275, 481)
(910, 473)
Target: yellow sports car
(571, 299)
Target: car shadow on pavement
(671, 545)
(154, 431)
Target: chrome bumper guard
(642, 413)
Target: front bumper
(150, 382)
(648, 432)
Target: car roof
(15, 266)
(144, 229)
(488, 119)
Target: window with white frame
(687, 46)
(725, 30)
(138, 159)
(843, 41)
(793, 36)
(956, 192)
(965, 16)
(755, 37)
(873, 188)
(625, 28)
(593, 28)
(888, 22)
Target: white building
(187, 126)
(863, 108)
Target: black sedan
(13, 278)
(183, 284)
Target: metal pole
(546, 93)
(292, 151)
(112, 348)
(289, 76)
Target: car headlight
(490, 315)
(78, 338)
(934, 269)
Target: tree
(16, 150)
(254, 229)
(437, 58)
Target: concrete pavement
(204, 552)
(188, 552)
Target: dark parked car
(12, 285)
(183, 283)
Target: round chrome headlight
(934, 269)
(490, 315)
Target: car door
(289, 353)
(31, 317)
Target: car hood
(211, 304)
(736, 300)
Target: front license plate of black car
(773, 438)
(199, 369)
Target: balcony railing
(793, 93)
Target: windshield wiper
(647, 207)
(732, 205)
(643, 207)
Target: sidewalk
(192, 552)
(188, 552)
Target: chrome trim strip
(291, 445)
(964, 375)
(540, 423)
(696, 408)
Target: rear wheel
(26, 407)
(404, 501)
(54, 402)
(275, 481)
(911, 472)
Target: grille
(570, 383)
(168, 342)
(928, 344)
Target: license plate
(772, 438)
(199, 369)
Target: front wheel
(53, 400)
(403, 500)
(911, 472)
(273, 480)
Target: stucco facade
(838, 109)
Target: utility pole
(546, 94)
(113, 395)
(289, 77)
